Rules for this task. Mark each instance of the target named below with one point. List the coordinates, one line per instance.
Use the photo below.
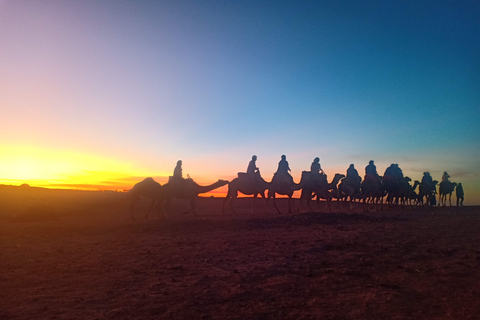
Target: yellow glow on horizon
(56, 168)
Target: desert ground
(78, 255)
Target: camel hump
(282, 178)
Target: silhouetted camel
(187, 189)
(393, 187)
(446, 188)
(426, 190)
(281, 184)
(319, 188)
(372, 193)
(347, 191)
(147, 188)
(248, 186)
(411, 194)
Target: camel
(411, 195)
(319, 188)
(347, 190)
(187, 189)
(248, 186)
(147, 188)
(404, 191)
(372, 192)
(281, 184)
(393, 186)
(446, 188)
(426, 190)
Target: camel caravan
(391, 189)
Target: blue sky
(145, 83)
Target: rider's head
(179, 162)
(317, 159)
(284, 157)
(254, 158)
(370, 162)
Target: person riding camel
(393, 174)
(253, 173)
(397, 172)
(177, 172)
(283, 168)
(427, 182)
(445, 177)
(371, 172)
(315, 168)
(252, 167)
(177, 179)
(353, 178)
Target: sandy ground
(78, 255)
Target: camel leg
(230, 201)
(150, 209)
(253, 202)
(159, 210)
(264, 202)
(132, 205)
(275, 203)
(231, 205)
(192, 207)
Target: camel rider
(315, 168)
(177, 172)
(427, 182)
(353, 178)
(177, 179)
(371, 172)
(252, 170)
(427, 178)
(283, 168)
(397, 172)
(445, 177)
(252, 167)
(389, 173)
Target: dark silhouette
(177, 172)
(147, 188)
(283, 185)
(315, 167)
(252, 167)
(284, 168)
(411, 196)
(445, 177)
(446, 188)
(353, 177)
(460, 195)
(426, 189)
(248, 186)
(188, 189)
(318, 187)
(371, 169)
(349, 188)
(393, 182)
(373, 192)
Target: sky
(101, 94)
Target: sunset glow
(99, 95)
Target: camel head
(221, 182)
(338, 176)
